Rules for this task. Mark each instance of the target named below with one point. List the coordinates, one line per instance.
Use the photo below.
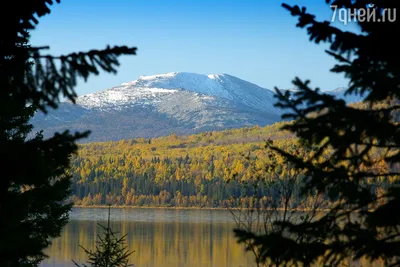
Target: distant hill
(157, 105)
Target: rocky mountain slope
(177, 102)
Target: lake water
(159, 237)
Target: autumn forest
(211, 169)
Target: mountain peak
(174, 78)
(156, 105)
(149, 88)
(216, 85)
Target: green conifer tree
(111, 250)
(34, 180)
(349, 142)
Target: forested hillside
(202, 170)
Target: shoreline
(148, 207)
(180, 208)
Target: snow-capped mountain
(156, 105)
(148, 89)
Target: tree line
(212, 169)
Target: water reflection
(178, 238)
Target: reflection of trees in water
(157, 244)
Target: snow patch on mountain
(151, 88)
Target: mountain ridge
(155, 105)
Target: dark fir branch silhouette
(276, 197)
(350, 143)
(34, 181)
(110, 251)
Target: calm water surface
(159, 237)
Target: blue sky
(255, 40)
